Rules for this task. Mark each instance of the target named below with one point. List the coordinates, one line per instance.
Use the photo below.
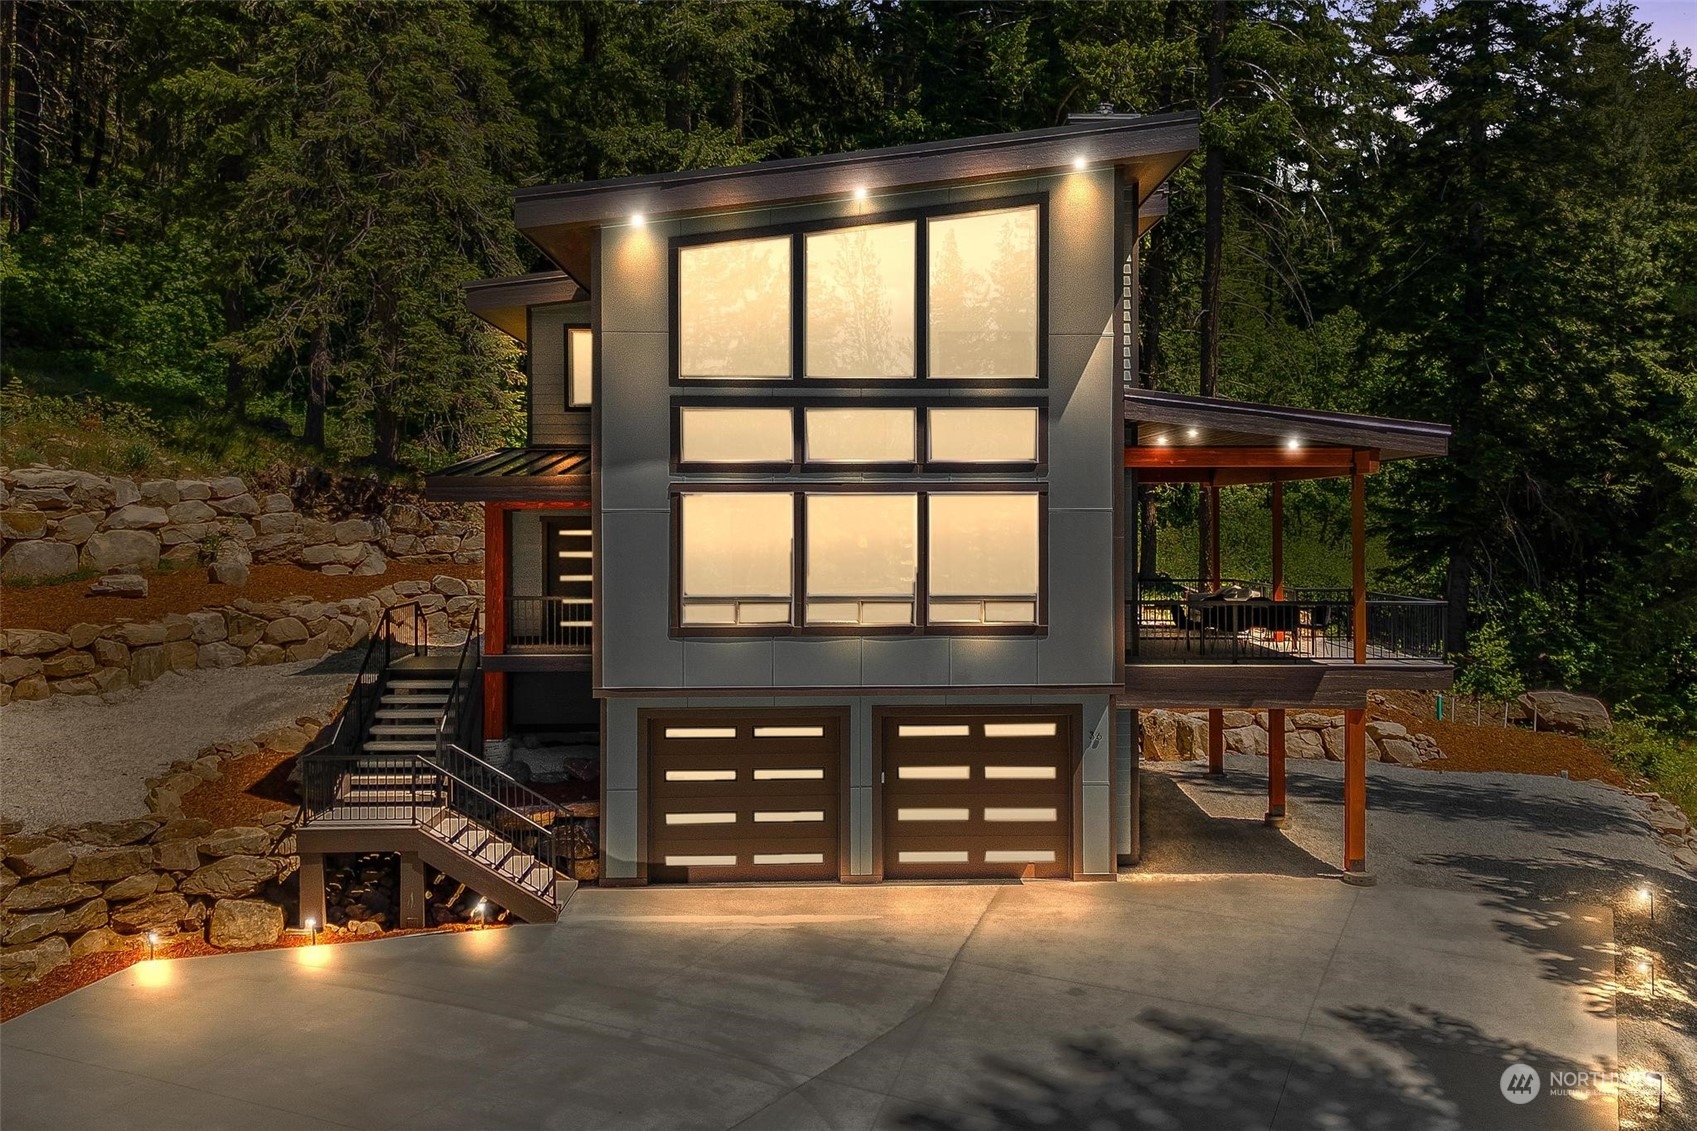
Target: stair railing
(458, 721)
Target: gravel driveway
(71, 759)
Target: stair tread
(403, 728)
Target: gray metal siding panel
(727, 663)
(551, 422)
(997, 661)
(636, 647)
(1079, 649)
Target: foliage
(1489, 668)
(87, 433)
(1669, 760)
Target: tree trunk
(1213, 237)
(317, 387)
(387, 428)
(736, 111)
(25, 197)
(235, 389)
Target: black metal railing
(556, 624)
(1306, 624)
(412, 791)
(459, 719)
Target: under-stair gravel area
(74, 759)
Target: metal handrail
(456, 709)
(1397, 628)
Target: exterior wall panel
(551, 422)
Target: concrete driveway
(1207, 1002)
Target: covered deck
(1217, 641)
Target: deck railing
(550, 624)
(1306, 624)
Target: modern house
(823, 532)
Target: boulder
(83, 634)
(227, 487)
(1381, 729)
(110, 834)
(137, 517)
(183, 828)
(38, 560)
(243, 630)
(19, 525)
(265, 654)
(21, 965)
(21, 929)
(114, 550)
(160, 492)
(101, 940)
(84, 917)
(285, 630)
(14, 668)
(161, 912)
(372, 564)
(220, 654)
(1399, 750)
(131, 887)
(1304, 744)
(177, 855)
(34, 856)
(276, 504)
(57, 891)
(111, 654)
(75, 529)
(35, 642)
(1565, 711)
(230, 878)
(240, 923)
(139, 635)
(147, 664)
(67, 664)
(119, 585)
(239, 841)
(182, 656)
(31, 687)
(192, 510)
(206, 626)
(352, 530)
(1246, 739)
(236, 505)
(108, 864)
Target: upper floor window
(736, 559)
(982, 435)
(943, 294)
(734, 309)
(735, 435)
(982, 294)
(580, 366)
(860, 435)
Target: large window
(861, 435)
(580, 366)
(862, 558)
(734, 309)
(983, 556)
(735, 435)
(859, 301)
(886, 299)
(736, 561)
(982, 435)
(982, 294)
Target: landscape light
(1657, 1077)
(1649, 970)
(152, 943)
(481, 911)
(1648, 897)
(312, 929)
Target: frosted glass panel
(982, 294)
(860, 435)
(737, 545)
(861, 546)
(735, 435)
(734, 309)
(860, 284)
(580, 366)
(983, 435)
(983, 545)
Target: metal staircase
(393, 774)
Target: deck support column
(1358, 556)
(494, 619)
(1355, 798)
(1276, 768)
(412, 891)
(1216, 742)
(1214, 577)
(312, 890)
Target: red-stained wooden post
(1216, 742)
(1358, 554)
(1214, 536)
(494, 619)
(1276, 767)
(1355, 797)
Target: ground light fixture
(1647, 897)
(1657, 1077)
(1648, 969)
(152, 944)
(482, 912)
(312, 929)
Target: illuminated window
(982, 435)
(860, 435)
(862, 558)
(736, 557)
(735, 435)
(860, 284)
(981, 293)
(734, 309)
(983, 558)
(580, 366)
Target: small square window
(580, 366)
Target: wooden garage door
(977, 795)
(743, 797)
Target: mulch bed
(1498, 749)
(57, 607)
(87, 971)
(252, 785)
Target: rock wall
(55, 522)
(93, 659)
(70, 892)
(1182, 736)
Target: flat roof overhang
(559, 218)
(1174, 438)
(505, 303)
(514, 475)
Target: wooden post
(1136, 796)
(1358, 552)
(312, 890)
(1214, 536)
(412, 891)
(494, 619)
(1278, 542)
(1276, 768)
(1216, 742)
(1355, 797)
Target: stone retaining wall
(1182, 736)
(70, 892)
(54, 523)
(92, 659)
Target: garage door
(977, 795)
(746, 797)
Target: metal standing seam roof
(516, 474)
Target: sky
(1671, 21)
